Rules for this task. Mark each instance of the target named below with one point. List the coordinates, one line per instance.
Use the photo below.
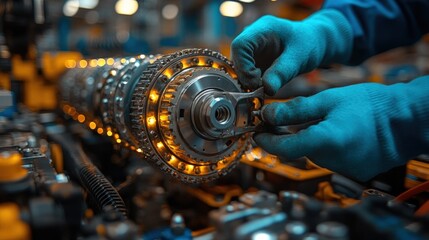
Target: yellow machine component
(54, 64)
(39, 96)
(417, 173)
(326, 193)
(23, 69)
(11, 167)
(11, 226)
(4, 81)
(211, 196)
(39, 91)
(257, 158)
(57, 157)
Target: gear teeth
(177, 86)
(123, 107)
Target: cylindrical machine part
(175, 110)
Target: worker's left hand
(362, 130)
(271, 51)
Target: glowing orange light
(100, 130)
(139, 150)
(201, 61)
(185, 64)
(93, 63)
(151, 121)
(81, 118)
(171, 143)
(168, 73)
(173, 158)
(110, 61)
(215, 65)
(83, 63)
(92, 125)
(109, 133)
(70, 63)
(168, 95)
(72, 111)
(159, 145)
(101, 62)
(153, 96)
(118, 140)
(66, 108)
(189, 168)
(163, 117)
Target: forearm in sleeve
(381, 25)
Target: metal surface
(185, 112)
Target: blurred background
(117, 27)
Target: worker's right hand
(359, 130)
(277, 50)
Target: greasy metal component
(248, 217)
(185, 112)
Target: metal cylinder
(171, 109)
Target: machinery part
(258, 158)
(11, 167)
(417, 171)
(49, 205)
(110, 225)
(52, 207)
(80, 167)
(185, 112)
(216, 196)
(14, 179)
(297, 216)
(11, 226)
(101, 189)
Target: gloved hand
(363, 130)
(281, 49)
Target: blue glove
(364, 129)
(281, 49)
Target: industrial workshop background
(124, 119)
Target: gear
(177, 101)
(171, 109)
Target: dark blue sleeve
(380, 25)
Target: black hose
(79, 166)
(101, 189)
